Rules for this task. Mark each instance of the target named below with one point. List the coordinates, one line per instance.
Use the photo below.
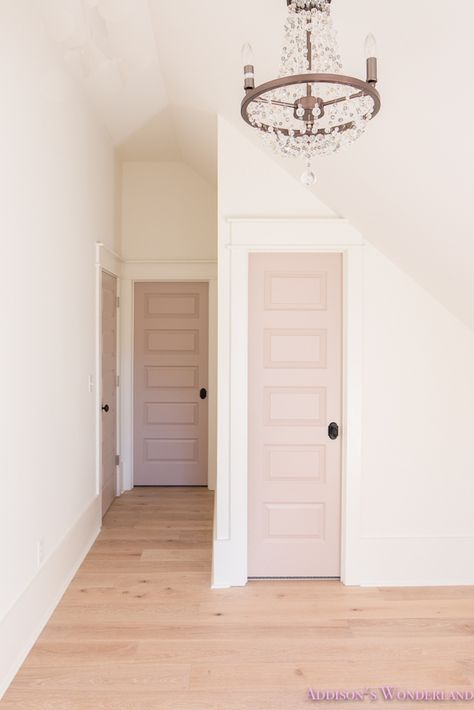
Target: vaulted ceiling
(159, 71)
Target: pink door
(109, 389)
(295, 365)
(170, 421)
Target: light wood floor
(140, 629)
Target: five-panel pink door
(109, 390)
(295, 390)
(170, 373)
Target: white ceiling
(407, 185)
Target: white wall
(416, 490)
(418, 458)
(253, 185)
(56, 187)
(168, 213)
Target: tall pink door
(295, 366)
(171, 365)
(109, 389)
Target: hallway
(140, 629)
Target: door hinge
(118, 380)
(118, 301)
(117, 459)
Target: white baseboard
(417, 561)
(383, 562)
(24, 622)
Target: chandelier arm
(341, 99)
(275, 103)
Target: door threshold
(169, 486)
(294, 579)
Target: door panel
(171, 361)
(295, 392)
(109, 389)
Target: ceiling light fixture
(312, 109)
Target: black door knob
(105, 407)
(333, 430)
(203, 393)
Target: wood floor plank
(117, 677)
(140, 629)
(218, 700)
(283, 676)
(239, 651)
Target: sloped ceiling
(176, 133)
(110, 47)
(407, 185)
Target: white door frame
(171, 271)
(111, 263)
(238, 238)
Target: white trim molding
(166, 270)
(238, 238)
(108, 259)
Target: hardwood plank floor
(140, 629)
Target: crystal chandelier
(312, 109)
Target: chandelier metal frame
(256, 94)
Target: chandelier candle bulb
(312, 108)
(371, 54)
(372, 72)
(248, 63)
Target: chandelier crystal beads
(312, 109)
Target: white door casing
(238, 238)
(139, 271)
